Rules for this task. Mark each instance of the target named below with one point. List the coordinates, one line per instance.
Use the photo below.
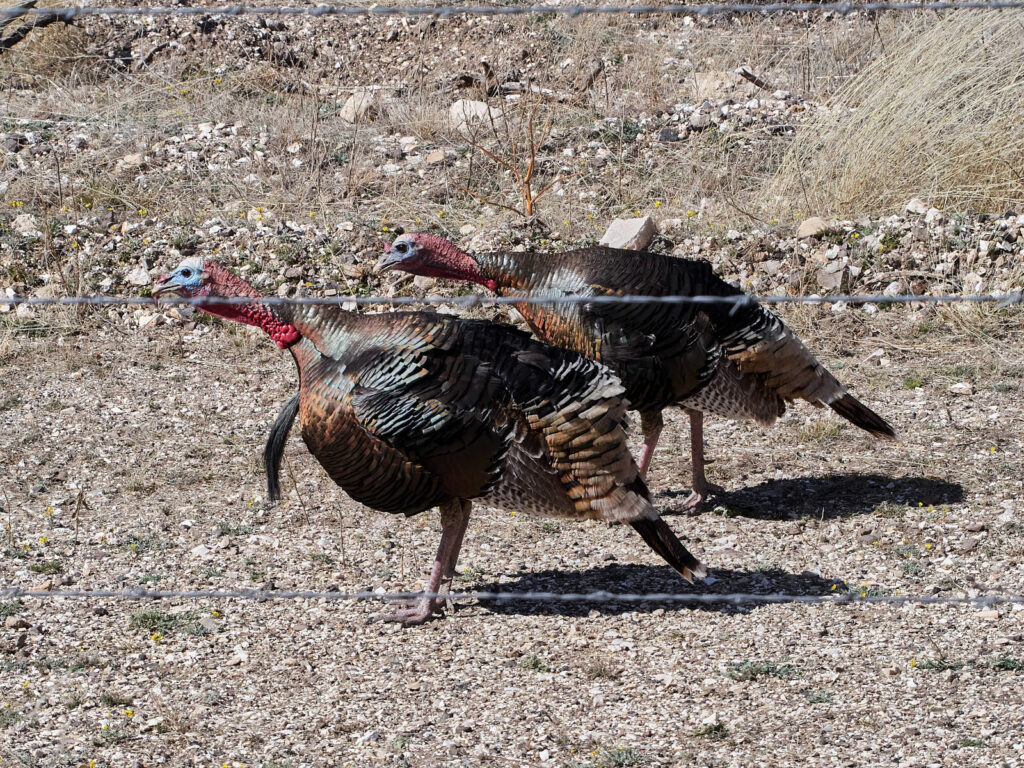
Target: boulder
(812, 227)
(630, 234)
(465, 113)
(361, 105)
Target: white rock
(139, 276)
(465, 113)
(918, 206)
(962, 388)
(811, 227)
(630, 234)
(26, 226)
(934, 217)
(361, 105)
(24, 312)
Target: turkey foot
(413, 612)
(454, 520)
(702, 489)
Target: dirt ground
(159, 433)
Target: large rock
(918, 206)
(718, 84)
(361, 105)
(812, 227)
(465, 113)
(834, 276)
(630, 234)
(26, 226)
(139, 276)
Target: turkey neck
(275, 320)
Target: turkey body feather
(735, 361)
(412, 410)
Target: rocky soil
(131, 436)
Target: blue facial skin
(188, 278)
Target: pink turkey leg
(454, 520)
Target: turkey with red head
(736, 361)
(412, 410)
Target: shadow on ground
(646, 579)
(828, 497)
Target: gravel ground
(158, 432)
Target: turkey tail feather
(662, 540)
(853, 410)
(275, 446)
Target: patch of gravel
(159, 431)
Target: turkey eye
(186, 273)
(401, 247)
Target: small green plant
(972, 743)
(48, 566)
(940, 665)
(753, 670)
(115, 699)
(1005, 662)
(913, 382)
(401, 743)
(550, 526)
(890, 241)
(602, 671)
(150, 578)
(211, 572)
(10, 607)
(157, 620)
(257, 575)
(889, 510)
(229, 529)
(9, 402)
(532, 662)
(714, 732)
(147, 543)
(110, 734)
(819, 697)
(323, 558)
(8, 716)
(819, 431)
(616, 757)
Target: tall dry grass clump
(940, 115)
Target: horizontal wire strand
(474, 300)
(737, 598)
(70, 13)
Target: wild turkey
(706, 358)
(412, 410)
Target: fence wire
(478, 300)
(735, 598)
(70, 13)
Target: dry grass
(940, 116)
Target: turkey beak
(390, 260)
(164, 287)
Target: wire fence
(839, 597)
(475, 300)
(70, 13)
(735, 598)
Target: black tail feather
(275, 446)
(662, 540)
(854, 411)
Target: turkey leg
(651, 425)
(454, 520)
(701, 487)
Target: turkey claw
(699, 496)
(412, 613)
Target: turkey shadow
(647, 579)
(829, 497)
